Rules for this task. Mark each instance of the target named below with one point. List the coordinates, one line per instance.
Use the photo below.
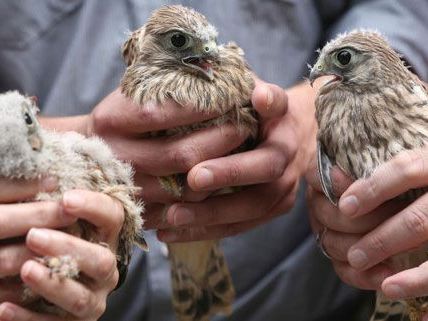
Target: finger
(96, 261)
(11, 259)
(164, 156)
(106, 213)
(210, 232)
(152, 191)
(20, 190)
(67, 294)
(213, 232)
(13, 312)
(17, 219)
(258, 166)
(367, 280)
(118, 114)
(407, 284)
(248, 204)
(154, 216)
(269, 100)
(338, 178)
(336, 244)
(404, 231)
(406, 171)
(329, 215)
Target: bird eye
(28, 119)
(344, 57)
(179, 40)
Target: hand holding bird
(371, 109)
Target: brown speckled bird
(372, 108)
(30, 152)
(175, 56)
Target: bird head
(175, 37)
(359, 58)
(20, 140)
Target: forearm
(62, 124)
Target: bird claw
(64, 267)
(324, 168)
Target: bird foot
(64, 267)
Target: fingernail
(349, 205)
(48, 184)
(31, 272)
(394, 291)
(38, 236)
(7, 313)
(182, 216)
(204, 178)
(73, 199)
(357, 258)
(269, 98)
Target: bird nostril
(207, 49)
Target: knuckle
(186, 157)
(212, 215)
(412, 164)
(106, 264)
(119, 214)
(82, 304)
(101, 122)
(233, 174)
(148, 115)
(114, 279)
(415, 220)
(277, 165)
(43, 212)
(100, 308)
(377, 245)
(373, 188)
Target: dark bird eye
(344, 57)
(28, 119)
(178, 40)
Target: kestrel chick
(175, 56)
(30, 152)
(372, 108)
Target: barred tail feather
(201, 281)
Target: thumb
(269, 100)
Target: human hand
(270, 173)
(337, 233)
(124, 126)
(97, 263)
(405, 231)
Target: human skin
(272, 172)
(371, 225)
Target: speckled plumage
(206, 77)
(30, 152)
(373, 108)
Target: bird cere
(30, 152)
(175, 56)
(372, 108)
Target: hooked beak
(318, 71)
(35, 142)
(204, 61)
